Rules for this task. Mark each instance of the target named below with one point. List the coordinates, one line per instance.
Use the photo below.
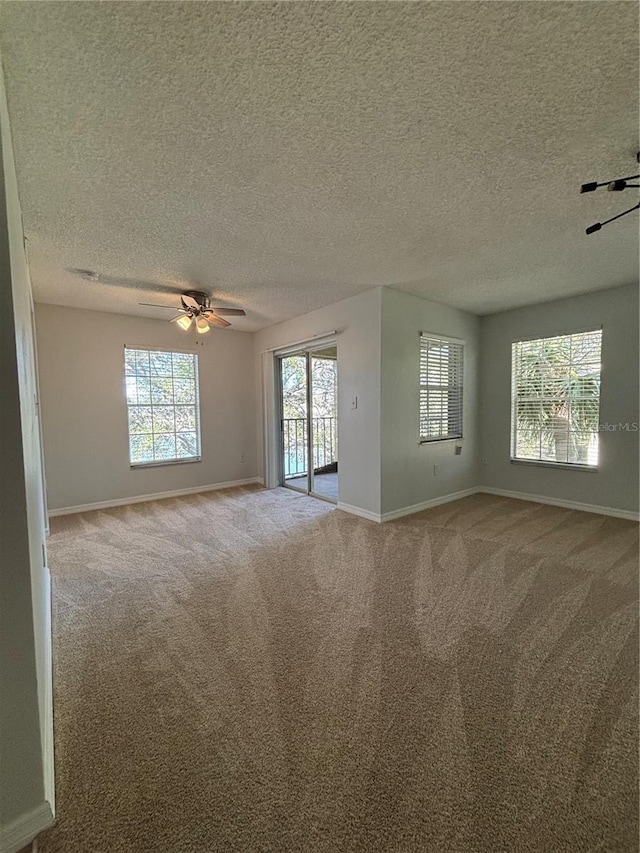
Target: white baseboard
(356, 510)
(454, 496)
(24, 829)
(176, 493)
(405, 510)
(443, 499)
(541, 499)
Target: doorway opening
(309, 421)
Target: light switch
(354, 402)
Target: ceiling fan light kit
(195, 309)
(615, 186)
(184, 321)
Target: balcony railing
(325, 444)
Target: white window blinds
(556, 399)
(441, 379)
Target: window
(163, 406)
(441, 371)
(556, 399)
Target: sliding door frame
(306, 350)
(300, 353)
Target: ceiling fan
(196, 308)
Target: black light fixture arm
(598, 225)
(589, 188)
(614, 186)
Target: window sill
(436, 440)
(569, 466)
(158, 463)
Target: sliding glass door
(323, 375)
(309, 421)
(294, 419)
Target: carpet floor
(255, 670)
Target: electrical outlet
(458, 449)
(354, 402)
(243, 457)
(435, 470)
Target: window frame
(445, 339)
(550, 463)
(153, 463)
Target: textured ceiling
(284, 156)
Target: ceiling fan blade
(190, 302)
(155, 305)
(228, 312)
(217, 321)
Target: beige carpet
(258, 671)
